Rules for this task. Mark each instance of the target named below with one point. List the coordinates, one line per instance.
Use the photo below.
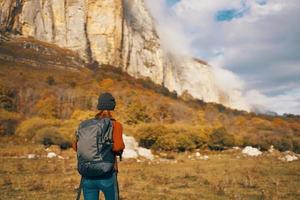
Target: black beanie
(106, 102)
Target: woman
(108, 184)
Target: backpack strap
(79, 189)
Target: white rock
(146, 153)
(132, 150)
(236, 148)
(271, 149)
(130, 142)
(131, 146)
(51, 155)
(129, 153)
(31, 156)
(289, 158)
(251, 151)
(205, 157)
(198, 154)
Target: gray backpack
(94, 148)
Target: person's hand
(119, 153)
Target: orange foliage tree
(47, 107)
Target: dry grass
(223, 176)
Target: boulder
(132, 150)
(251, 151)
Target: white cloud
(262, 47)
(287, 102)
(171, 32)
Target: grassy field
(227, 175)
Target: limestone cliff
(114, 32)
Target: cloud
(172, 34)
(253, 44)
(287, 102)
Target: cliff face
(91, 28)
(142, 54)
(114, 32)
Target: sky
(256, 41)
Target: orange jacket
(118, 137)
(118, 143)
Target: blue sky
(257, 40)
(172, 2)
(226, 14)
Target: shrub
(47, 107)
(280, 143)
(65, 145)
(68, 129)
(82, 115)
(49, 136)
(148, 134)
(166, 142)
(137, 113)
(296, 145)
(188, 138)
(28, 128)
(228, 141)
(48, 131)
(216, 147)
(184, 143)
(263, 144)
(173, 138)
(106, 83)
(261, 124)
(7, 103)
(186, 96)
(93, 65)
(280, 123)
(198, 139)
(50, 80)
(248, 141)
(8, 97)
(285, 144)
(8, 126)
(174, 95)
(174, 142)
(8, 122)
(163, 113)
(220, 136)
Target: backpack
(94, 148)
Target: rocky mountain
(117, 33)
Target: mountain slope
(118, 33)
(46, 90)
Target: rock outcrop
(113, 32)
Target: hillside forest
(45, 91)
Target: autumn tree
(47, 107)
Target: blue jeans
(108, 186)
